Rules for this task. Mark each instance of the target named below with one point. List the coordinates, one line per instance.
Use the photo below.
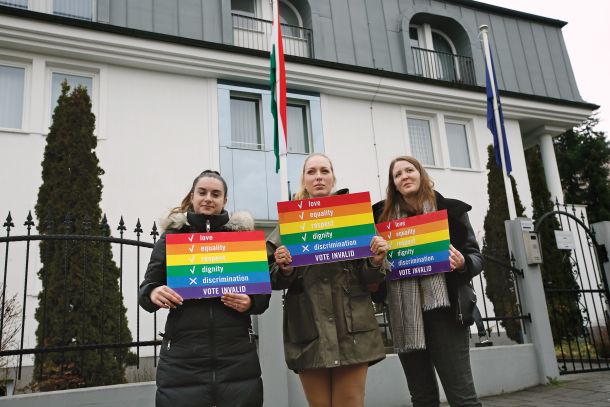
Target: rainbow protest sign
(202, 265)
(328, 229)
(418, 245)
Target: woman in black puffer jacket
(208, 357)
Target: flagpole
(512, 212)
(280, 93)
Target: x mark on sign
(193, 280)
(305, 248)
(391, 264)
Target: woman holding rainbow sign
(428, 313)
(208, 357)
(331, 335)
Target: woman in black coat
(208, 356)
(430, 314)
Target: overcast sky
(587, 37)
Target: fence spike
(86, 224)
(104, 225)
(154, 232)
(121, 227)
(29, 221)
(138, 230)
(67, 223)
(9, 222)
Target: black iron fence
(444, 66)
(577, 293)
(18, 300)
(251, 32)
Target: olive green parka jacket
(329, 319)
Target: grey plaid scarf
(408, 298)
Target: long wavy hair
(302, 192)
(394, 200)
(186, 205)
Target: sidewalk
(585, 389)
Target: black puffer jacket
(208, 357)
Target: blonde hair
(394, 200)
(302, 192)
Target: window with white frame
(15, 3)
(81, 9)
(299, 134)
(73, 81)
(457, 143)
(246, 131)
(12, 82)
(420, 140)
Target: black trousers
(447, 351)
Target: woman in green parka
(331, 335)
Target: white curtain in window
(11, 96)
(73, 82)
(458, 145)
(245, 123)
(15, 3)
(74, 8)
(298, 133)
(420, 140)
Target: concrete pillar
(533, 301)
(551, 172)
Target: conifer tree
(500, 287)
(583, 158)
(564, 313)
(80, 301)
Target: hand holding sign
(456, 258)
(165, 297)
(283, 259)
(380, 247)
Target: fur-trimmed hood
(239, 221)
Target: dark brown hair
(186, 205)
(395, 200)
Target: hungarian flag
(278, 89)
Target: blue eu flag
(491, 121)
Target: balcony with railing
(444, 66)
(251, 32)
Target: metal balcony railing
(251, 32)
(443, 66)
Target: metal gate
(576, 290)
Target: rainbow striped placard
(328, 229)
(418, 245)
(203, 265)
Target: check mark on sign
(300, 204)
(191, 248)
(191, 238)
(301, 215)
(304, 237)
(192, 259)
(192, 270)
(303, 226)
